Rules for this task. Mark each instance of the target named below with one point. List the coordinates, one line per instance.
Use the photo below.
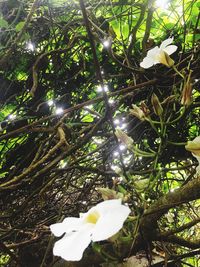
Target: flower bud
(110, 193)
(165, 59)
(158, 110)
(186, 98)
(137, 112)
(140, 113)
(144, 108)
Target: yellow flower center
(165, 59)
(92, 217)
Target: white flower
(198, 167)
(194, 147)
(160, 55)
(99, 223)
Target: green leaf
(169, 25)
(96, 247)
(87, 118)
(3, 23)
(19, 26)
(122, 189)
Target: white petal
(166, 43)
(170, 49)
(107, 204)
(198, 169)
(72, 246)
(69, 224)
(110, 222)
(196, 140)
(147, 62)
(151, 58)
(153, 52)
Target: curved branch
(188, 192)
(148, 223)
(180, 229)
(181, 241)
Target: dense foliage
(69, 75)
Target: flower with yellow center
(194, 148)
(99, 223)
(160, 55)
